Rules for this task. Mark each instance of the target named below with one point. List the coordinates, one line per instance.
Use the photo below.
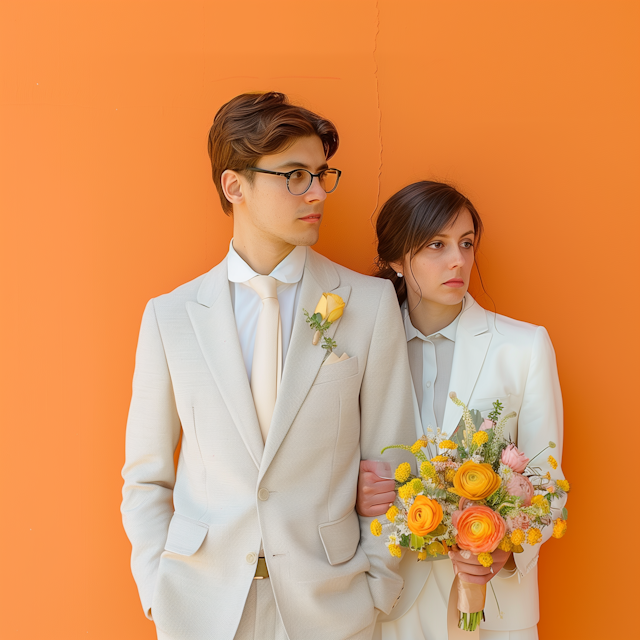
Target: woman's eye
(467, 244)
(296, 175)
(436, 245)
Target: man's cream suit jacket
(195, 534)
(498, 358)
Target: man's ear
(232, 187)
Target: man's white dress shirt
(247, 304)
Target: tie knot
(264, 286)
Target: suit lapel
(303, 358)
(472, 343)
(214, 324)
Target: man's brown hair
(253, 125)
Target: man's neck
(263, 255)
(430, 317)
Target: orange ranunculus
(480, 529)
(424, 516)
(476, 481)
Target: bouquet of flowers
(479, 492)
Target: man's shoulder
(189, 291)
(355, 279)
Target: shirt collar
(290, 270)
(448, 332)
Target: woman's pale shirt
(431, 361)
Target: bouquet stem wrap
(465, 598)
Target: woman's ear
(398, 267)
(231, 186)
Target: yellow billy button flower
(403, 472)
(439, 459)
(505, 544)
(559, 528)
(395, 550)
(392, 513)
(564, 485)
(480, 438)
(448, 444)
(485, 559)
(376, 527)
(552, 462)
(542, 502)
(449, 475)
(330, 307)
(417, 446)
(416, 484)
(534, 535)
(517, 537)
(406, 491)
(427, 470)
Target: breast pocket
(337, 371)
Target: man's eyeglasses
(299, 180)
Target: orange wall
(530, 107)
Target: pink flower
(521, 521)
(521, 487)
(551, 489)
(514, 458)
(487, 424)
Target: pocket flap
(185, 535)
(337, 371)
(340, 538)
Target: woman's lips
(311, 219)
(455, 282)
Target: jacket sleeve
(387, 418)
(540, 422)
(153, 430)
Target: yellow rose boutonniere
(328, 310)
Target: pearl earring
(399, 275)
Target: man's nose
(315, 192)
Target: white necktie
(266, 370)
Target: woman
(427, 237)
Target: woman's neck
(430, 317)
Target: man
(255, 534)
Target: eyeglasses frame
(288, 175)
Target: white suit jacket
(195, 534)
(498, 358)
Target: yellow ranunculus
(476, 481)
(330, 307)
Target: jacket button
(252, 558)
(263, 494)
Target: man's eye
(297, 175)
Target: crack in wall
(375, 73)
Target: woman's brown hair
(253, 125)
(412, 217)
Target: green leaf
(438, 531)
(565, 513)
(316, 317)
(405, 540)
(417, 542)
